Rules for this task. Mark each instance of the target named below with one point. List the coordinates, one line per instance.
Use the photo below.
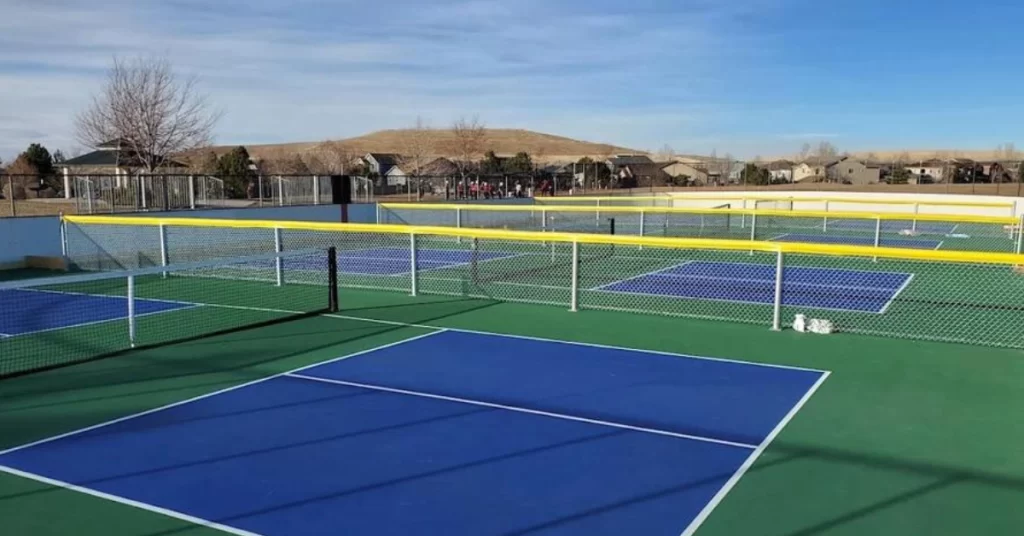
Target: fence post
(597, 219)
(316, 189)
(280, 192)
(824, 225)
(575, 284)
(413, 283)
(10, 195)
(278, 262)
(458, 222)
(163, 247)
(777, 310)
(131, 310)
(878, 233)
(753, 229)
(192, 192)
(1020, 234)
(259, 187)
(643, 217)
(913, 225)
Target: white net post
(191, 192)
(413, 283)
(378, 214)
(777, 309)
(131, 310)
(278, 262)
(643, 218)
(63, 237)
(280, 191)
(575, 284)
(743, 216)
(913, 223)
(163, 247)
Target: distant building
(114, 157)
(380, 163)
(694, 174)
(780, 170)
(850, 171)
(813, 170)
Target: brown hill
(504, 142)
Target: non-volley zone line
(817, 288)
(31, 311)
(360, 431)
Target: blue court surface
(819, 288)
(859, 241)
(449, 433)
(29, 311)
(388, 261)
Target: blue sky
(750, 77)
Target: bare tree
(721, 166)
(467, 144)
(417, 147)
(665, 154)
(147, 109)
(805, 151)
(826, 151)
(331, 157)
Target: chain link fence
(901, 230)
(966, 297)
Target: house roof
(111, 158)
(627, 160)
(779, 165)
(815, 161)
(646, 170)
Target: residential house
(780, 170)
(617, 163)
(733, 173)
(693, 173)
(850, 171)
(813, 170)
(380, 163)
(112, 158)
(927, 171)
(643, 174)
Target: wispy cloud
(294, 70)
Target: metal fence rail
(956, 296)
(927, 231)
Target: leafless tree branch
(149, 112)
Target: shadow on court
(56, 401)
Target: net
(773, 204)
(968, 297)
(58, 321)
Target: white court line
(746, 302)
(647, 274)
(729, 484)
(906, 283)
(214, 393)
(771, 281)
(524, 410)
(129, 502)
(157, 509)
(572, 343)
(939, 245)
(774, 238)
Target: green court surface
(905, 437)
